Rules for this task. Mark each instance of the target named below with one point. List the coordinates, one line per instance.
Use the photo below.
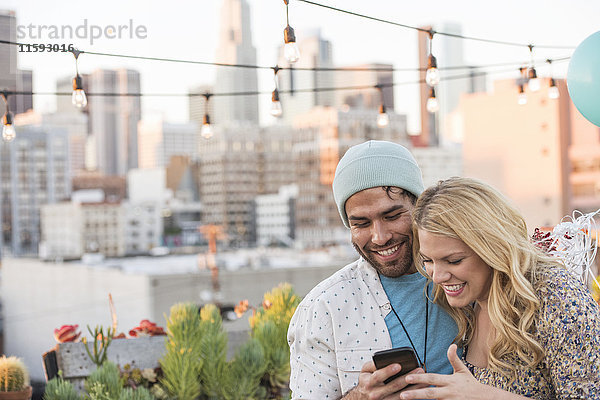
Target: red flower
(66, 333)
(241, 308)
(266, 304)
(146, 328)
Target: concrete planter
(73, 361)
(20, 395)
(143, 352)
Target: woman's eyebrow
(459, 253)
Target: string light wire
(330, 69)
(454, 35)
(256, 93)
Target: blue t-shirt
(408, 299)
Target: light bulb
(276, 109)
(206, 131)
(291, 51)
(522, 99)
(553, 90)
(383, 120)
(79, 99)
(533, 82)
(8, 133)
(432, 77)
(8, 130)
(433, 105)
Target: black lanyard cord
(423, 363)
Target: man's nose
(380, 234)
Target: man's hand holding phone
(383, 377)
(405, 356)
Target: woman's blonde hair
(478, 215)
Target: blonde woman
(529, 328)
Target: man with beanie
(377, 302)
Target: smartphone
(405, 356)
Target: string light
(522, 99)
(383, 119)
(433, 104)
(533, 80)
(256, 93)
(290, 49)
(330, 69)
(432, 76)
(553, 92)
(79, 99)
(206, 131)
(276, 109)
(292, 54)
(8, 130)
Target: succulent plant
(195, 364)
(59, 389)
(269, 327)
(105, 381)
(14, 376)
(182, 362)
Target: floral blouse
(568, 328)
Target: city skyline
(191, 32)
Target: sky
(189, 30)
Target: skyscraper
(113, 120)
(75, 123)
(34, 171)
(12, 78)
(236, 165)
(235, 47)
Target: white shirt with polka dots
(335, 330)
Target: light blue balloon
(583, 78)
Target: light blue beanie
(372, 164)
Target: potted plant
(14, 379)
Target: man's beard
(395, 268)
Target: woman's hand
(461, 385)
